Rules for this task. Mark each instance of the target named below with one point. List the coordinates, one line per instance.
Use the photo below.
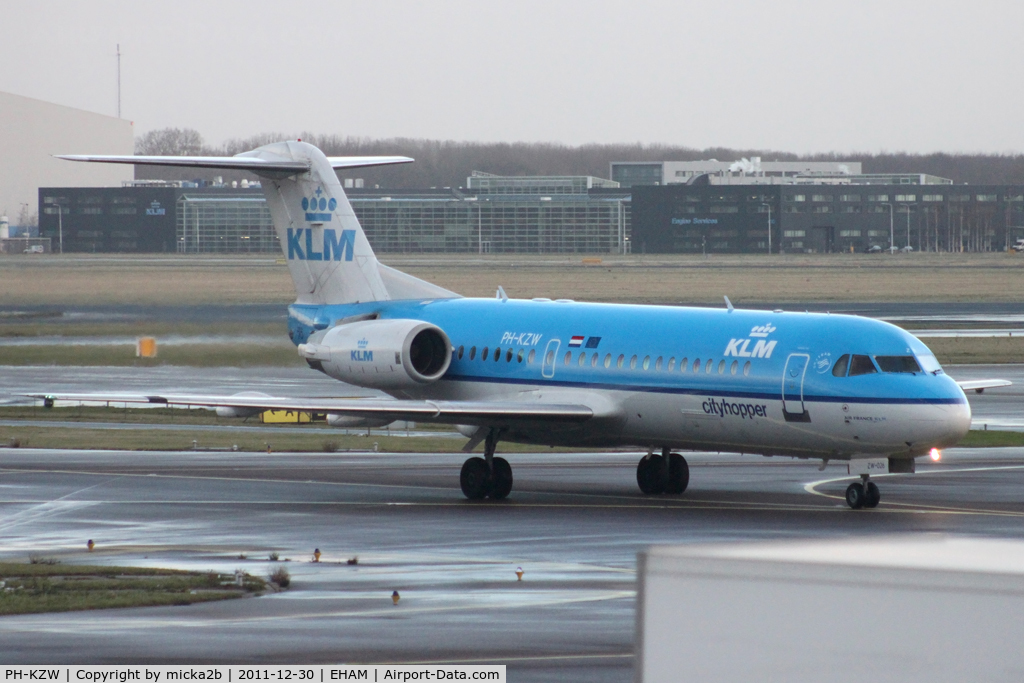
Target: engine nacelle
(353, 422)
(382, 354)
(228, 411)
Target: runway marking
(44, 508)
(668, 505)
(922, 507)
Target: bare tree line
(447, 163)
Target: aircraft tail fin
(328, 255)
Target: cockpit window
(929, 363)
(898, 363)
(861, 365)
(839, 369)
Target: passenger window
(671, 363)
(746, 369)
(721, 367)
(861, 365)
(683, 364)
(707, 367)
(696, 366)
(735, 365)
(898, 364)
(484, 355)
(472, 352)
(657, 364)
(632, 363)
(533, 354)
(519, 356)
(647, 362)
(583, 358)
(550, 359)
(508, 356)
(839, 369)
(568, 357)
(608, 361)
(461, 349)
(497, 354)
(593, 361)
(619, 362)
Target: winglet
(728, 305)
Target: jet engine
(381, 354)
(227, 411)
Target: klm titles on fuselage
(762, 347)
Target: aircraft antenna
(728, 305)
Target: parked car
(873, 249)
(34, 249)
(1018, 246)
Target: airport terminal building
(825, 218)
(494, 214)
(746, 206)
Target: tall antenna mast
(119, 80)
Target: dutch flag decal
(576, 341)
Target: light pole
(892, 235)
(769, 225)
(60, 225)
(908, 225)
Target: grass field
(746, 279)
(48, 586)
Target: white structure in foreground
(910, 608)
(31, 131)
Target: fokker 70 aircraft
(829, 387)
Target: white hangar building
(31, 131)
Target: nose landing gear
(665, 473)
(863, 494)
(486, 476)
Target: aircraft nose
(956, 422)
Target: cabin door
(548, 367)
(793, 388)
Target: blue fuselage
(753, 381)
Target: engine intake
(381, 354)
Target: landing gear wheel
(652, 474)
(501, 479)
(678, 474)
(872, 495)
(475, 478)
(855, 495)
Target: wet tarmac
(574, 524)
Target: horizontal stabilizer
(980, 385)
(486, 413)
(253, 164)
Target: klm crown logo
(318, 208)
(762, 331)
(362, 343)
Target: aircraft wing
(980, 385)
(237, 163)
(487, 413)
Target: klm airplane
(561, 373)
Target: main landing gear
(665, 473)
(488, 476)
(862, 494)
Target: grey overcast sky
(792, 75)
